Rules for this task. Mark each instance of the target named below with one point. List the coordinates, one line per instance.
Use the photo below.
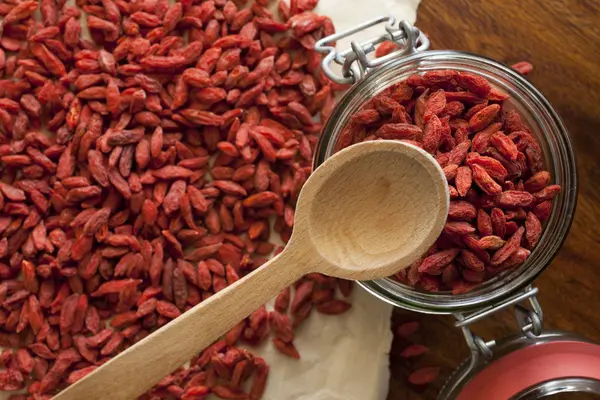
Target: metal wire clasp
(355, 61)
(529, 320)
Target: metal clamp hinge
(355, 61)
(529, 319)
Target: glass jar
(512, 288)
(535, 111)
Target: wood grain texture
(562, 39)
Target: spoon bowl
(374, 210)
(365, 213)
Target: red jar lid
(532, 365)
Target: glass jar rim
(437, 303)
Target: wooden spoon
(367, 212)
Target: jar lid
(529, 368)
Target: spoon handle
(141, 366)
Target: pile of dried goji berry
(499, 189)
(140, 172)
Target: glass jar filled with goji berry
(512, 179)
(506, 154)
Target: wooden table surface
(562, 40)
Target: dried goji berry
(115, 206)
